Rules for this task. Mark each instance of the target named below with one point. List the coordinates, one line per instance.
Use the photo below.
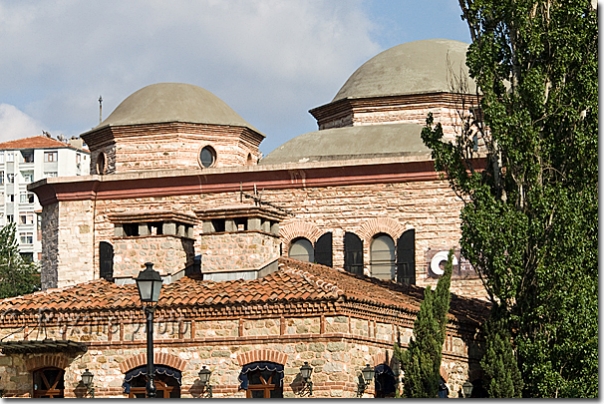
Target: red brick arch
(159, 359)
(299, 228)
(369, 228)
(46, 361)
(262, 355)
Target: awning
(42, 346)
(270, 366)
(157, 370)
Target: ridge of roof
(33, 142)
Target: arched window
(106, 260)
(382, 257)
(324, 250)
(353, 253)
(405, 258)
(49, 383)
(302, 250)
(167, 382)
(262, 380)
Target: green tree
(530, 219)
(17, 276)
(502, 376)
(421, 360)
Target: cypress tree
(421, 361)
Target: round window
(207, 156)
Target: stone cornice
(193, 182)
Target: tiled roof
(34, 142)
(294, 281)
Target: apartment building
(23, 161)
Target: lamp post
(467, 388)
(204, 379)
(306, 372)
(367, 376)
(149, 286)
(87, 377)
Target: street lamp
(87, 382)
(204, 379)
(149, 286)
(367, 376)
(467, 388)
(306, 372)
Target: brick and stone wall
(336, 345)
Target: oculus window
(207, 157)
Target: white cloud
(15, 124)
(270, 60)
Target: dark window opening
(353, 253)
(219, 225)
(130, 229)
(106, 261)
(156, 228)
(405, 255)
(28, 156)
(324, 250)
(241, 224)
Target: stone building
(177, 179)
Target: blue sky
(270, 60)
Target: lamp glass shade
(204, 375)
(467, 388)
(87, 378)
(368, 373)
(149, 284)
(306, 371)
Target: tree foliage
(17, 276)
(421, 360)
(530, 220)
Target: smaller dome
(174, 102)
(419, 67)
(351, 142)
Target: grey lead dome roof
(174, 102)
(351, 142)
(426, 66)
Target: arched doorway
(262, 380)
(49, 383)
(167, 382)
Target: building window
(302, 250)
(10, 177)
(382, 257)
(49, 383)
(10, 157)
(167, 382)
(207, 157)
(101, 164)
(1, 177)
(28, 257)
(324, 250)
(26, 237)
(28, 176)
(26, 218)
(106, 260)
(28, 156)
(262, 380)
(10, 218)
(50, 156)
(11, 197)
(1, 157)
(405, 258)
(26, 197)
(353, 254)
(50, 174)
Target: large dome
(174, 102)
(427, 66)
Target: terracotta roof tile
(294, 281)
(34, 142)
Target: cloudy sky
(270, 60)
